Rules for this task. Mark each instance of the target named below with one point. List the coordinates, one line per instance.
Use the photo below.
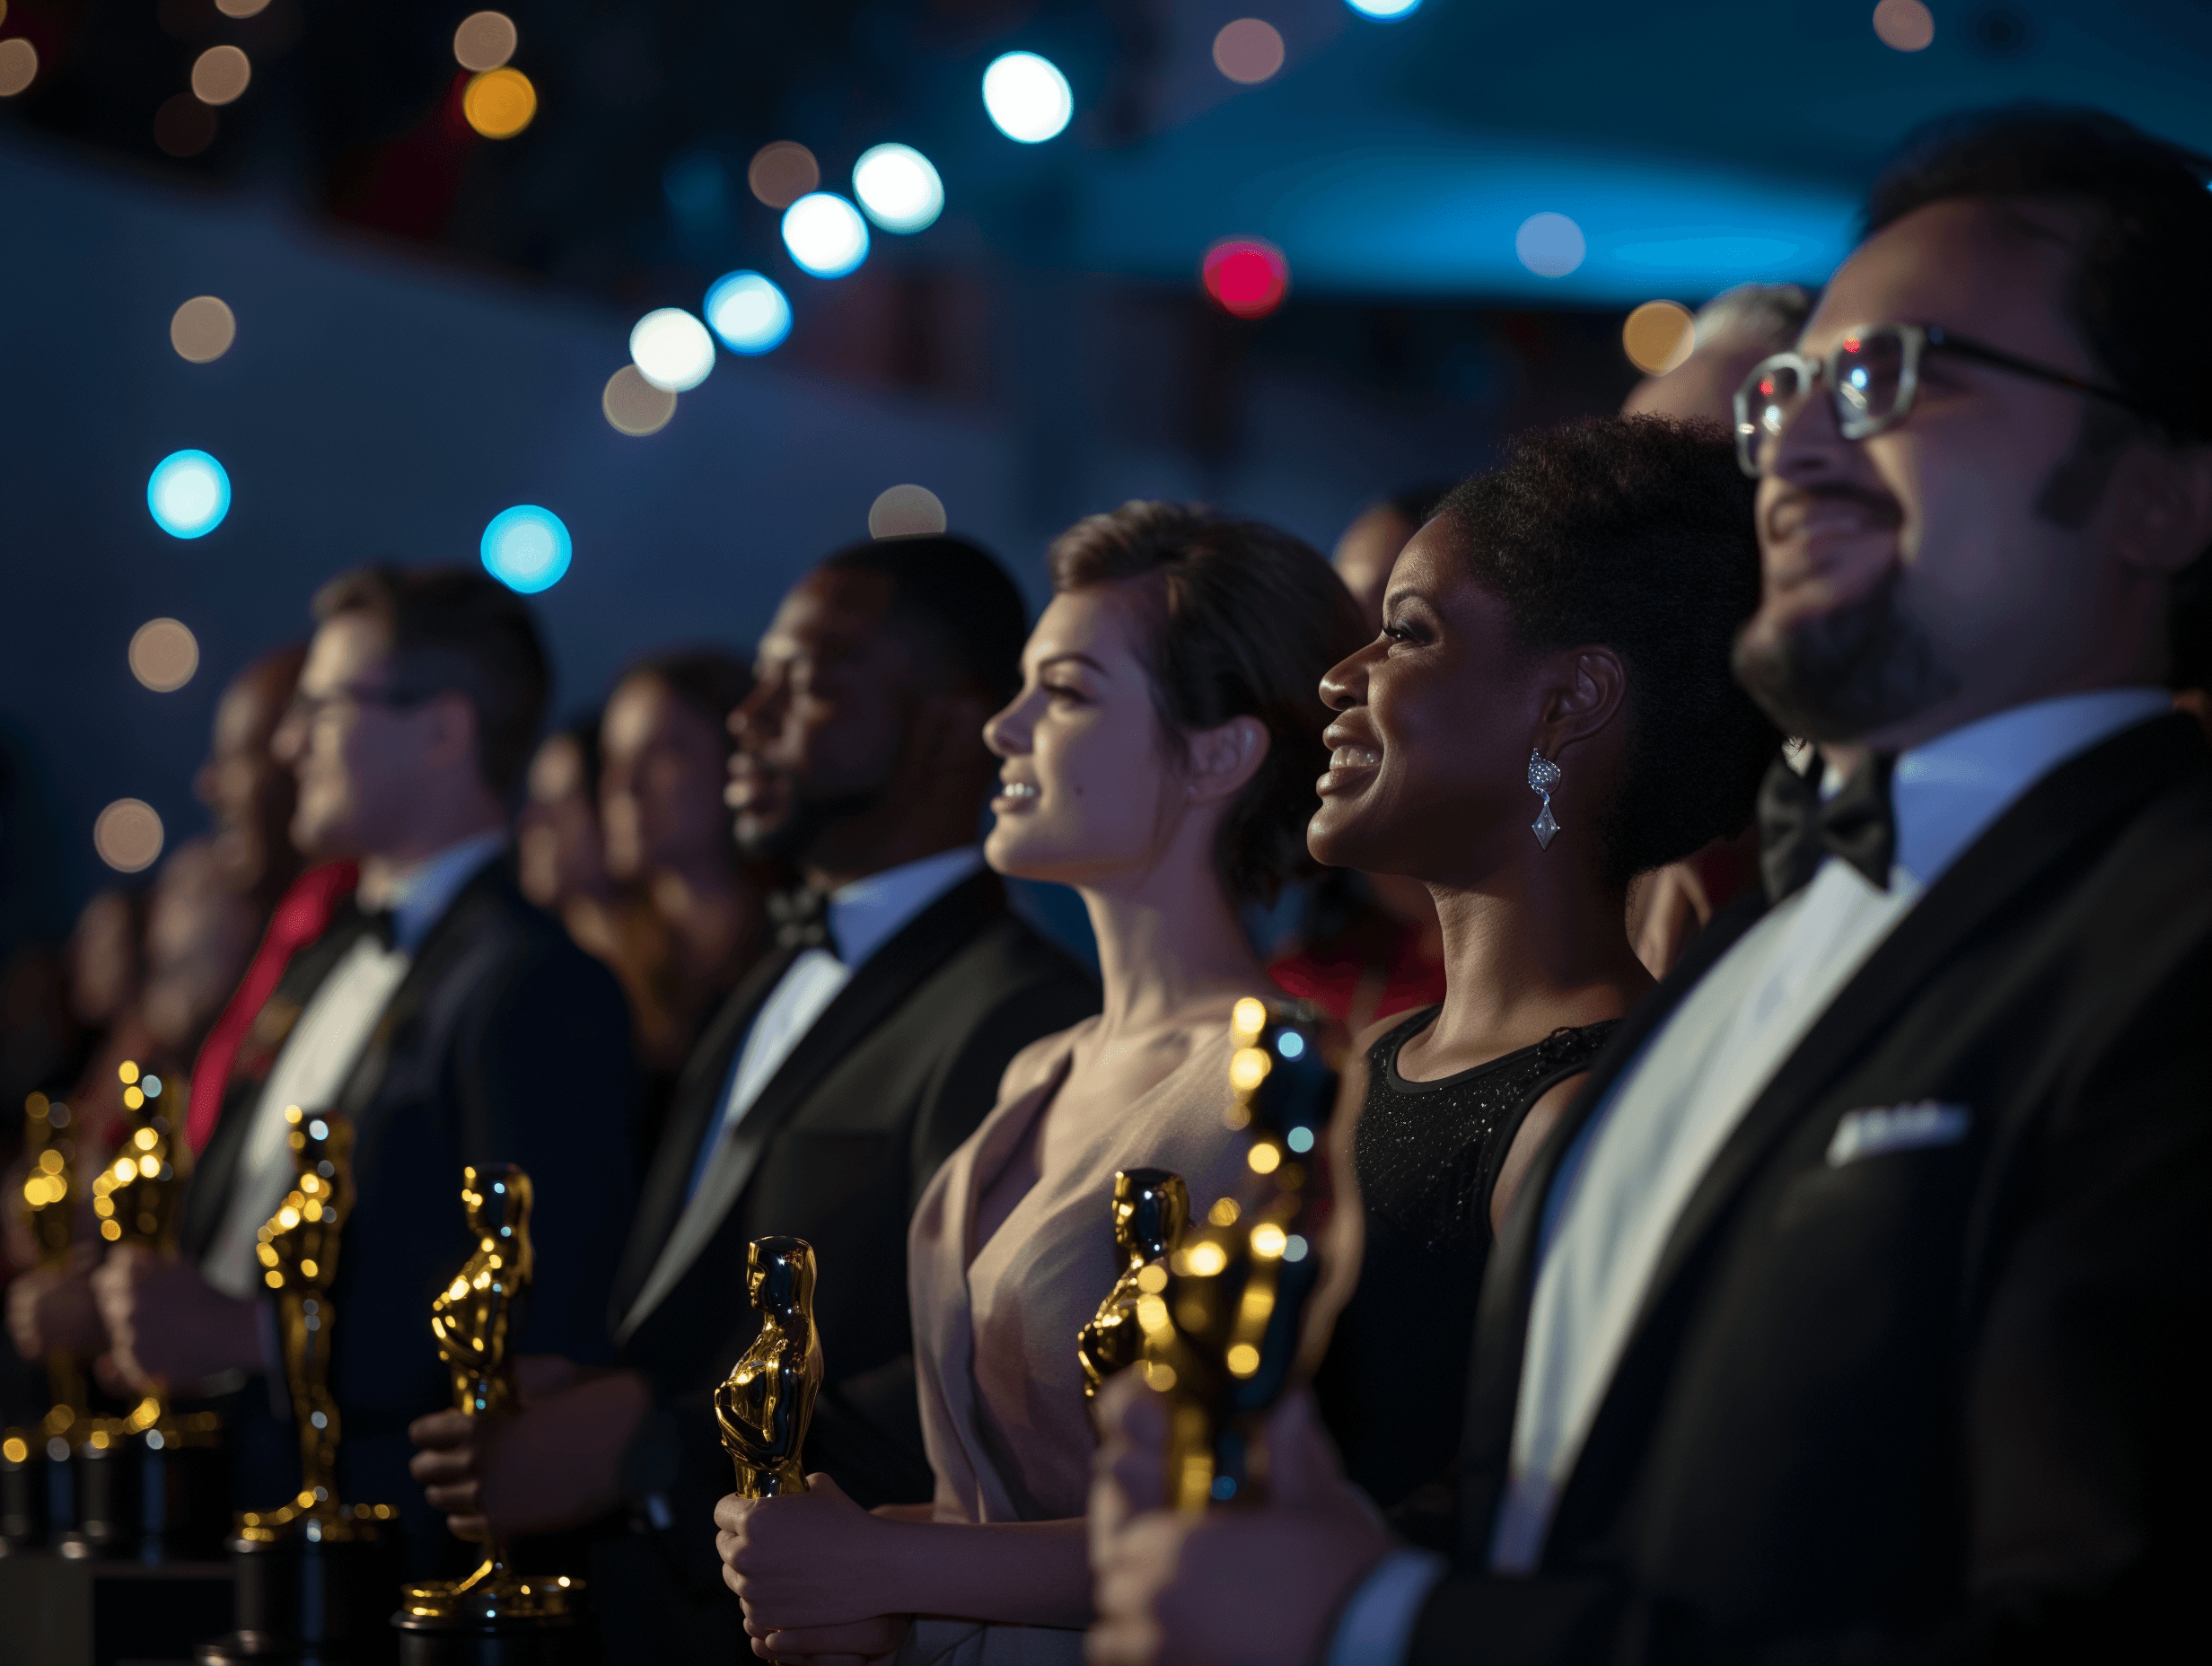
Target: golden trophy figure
(495, 1614)
(151, 1478)
(767, 1401)
(1151, 1207)
(313, 1575)
(1225, 1320)
(39, 1477)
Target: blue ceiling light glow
(190, 494)
(897, 187)
(527, 549)
(825, 234)
(1384, 11)
(748, 312)
(1028, 99)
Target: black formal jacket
(1936, 1403)
(895, 1072)
(504, 1042)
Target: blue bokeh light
(1290, 1044)
(527, 549)
(189, 494)
(748, 312)
(1384, 11)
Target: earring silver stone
(1544, 775)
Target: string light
(189, 494)
(672, 349)
(825, 234)
(1027, 98)
(899, 188)
(748, 312)
(527, 549)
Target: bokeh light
(241, 8)
(672, 349)
(527, 549)
(906, 511)
(485, 41)
(1549, 245)
(19, 65)
(748, 312)
(825, 234)
(899, 188)
(1905, 25)
(1027, 97)
(499, 103)
(220, 75)
(1247, 276)
(1659, 336)
(1249, 50)
(780, 173)
(1384, 11)
(634, 406)
(163, 654)
(183, 126)
(202, 329)
(190, 494)
(127, 835)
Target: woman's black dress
(1394, 1385)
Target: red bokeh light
(1248, 276)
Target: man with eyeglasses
(451, 1019)
(1857, 1309)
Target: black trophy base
(310, 1602)
(41, 1492)
(552, 1640)
(151, 1499)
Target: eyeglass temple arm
(1960, 345)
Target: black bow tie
(800, 916)
(1798, 831)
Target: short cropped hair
(711, 682)
(456, 631)
(953, 596)
(2137, 290)
(1240, 620)
(1636, 533)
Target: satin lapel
(693, 1106)
(1508, 1284)
(2084, 801)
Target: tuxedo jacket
(504, 1042)
(1938, 1403)
(895, 1072)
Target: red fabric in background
(300, 916)
(1332, 981)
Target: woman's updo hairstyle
(1636, 533)
(1238, 621)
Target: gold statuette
(768, 1398)
(48, 1205)
(1151, 1207)
(1224, 1318)
(298, 1250)
(476, 1319)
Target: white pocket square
(1897, 1127)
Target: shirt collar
(418, 895)
(866, 914)
(1944, 795)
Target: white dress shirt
(862, 917)
(1624, 1182)
(326, 1041)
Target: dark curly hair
(1242, 620)
(1636, 533)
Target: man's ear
(1589, 686)
(2163, 499)
(1222, 759)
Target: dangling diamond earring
(1544, 775)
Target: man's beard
(1847, 672)
(794, 838)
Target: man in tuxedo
(1856, 1307)
(820, 1100)
(453, 1022)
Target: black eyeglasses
(1872, 377)
(306, 708)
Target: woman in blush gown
(1160, 758)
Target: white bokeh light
(748, 312)
(897, 187)
(672, 349)
(825, 234)
(1028, 97)
(1384, 11)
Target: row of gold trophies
(1213, 1314)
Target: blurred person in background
(1733, 332)
(561, 861)
(248, 792)
(1368, 945)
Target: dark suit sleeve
(549, 1080)
(2085, 1455)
